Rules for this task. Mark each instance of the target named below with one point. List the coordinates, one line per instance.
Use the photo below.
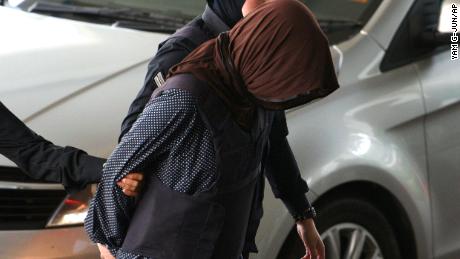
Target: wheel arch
(384, 201)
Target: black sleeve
(170, 53)
(42, 160)
(282, 171)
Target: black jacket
(74, 168)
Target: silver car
(381, 155)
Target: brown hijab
(276, 57)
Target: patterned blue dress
(169, 141)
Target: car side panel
(441, 86)
(369, 130)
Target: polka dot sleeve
(168, 122)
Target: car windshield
(341, 19)
(182, 8)
(189, 8)
(149, 15)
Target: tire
(349, 217)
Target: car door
(440, 83)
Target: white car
(72, 82)
(381, 155)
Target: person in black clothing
(42, 160)
(75, 169)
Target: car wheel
(350, 229)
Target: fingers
(321, 250)
(104, 252)
(135, 176)
(314, 253)
(130, 193)
(307, 256)
(317, 253)
(129, 184)
(128, 190)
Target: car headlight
(73, 209)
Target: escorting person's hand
(131, 184)
(314, 246)
(105, 253)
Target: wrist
(306, 222)
(309, 213)
(297, 204)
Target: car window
(342, 19)
(188, 8)
(148, 15)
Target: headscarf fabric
(277, 57)
(227, 10)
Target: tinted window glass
(148, 15)
(179, 8)
(341, 19)
(188, 8)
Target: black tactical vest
(212, 224)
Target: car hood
(45, 59)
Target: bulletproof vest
(212, 224)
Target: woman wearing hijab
(74, 168)
(201, 138)
(280, 167)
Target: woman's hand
(131, 184)
(105, 253)
(314, 247)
